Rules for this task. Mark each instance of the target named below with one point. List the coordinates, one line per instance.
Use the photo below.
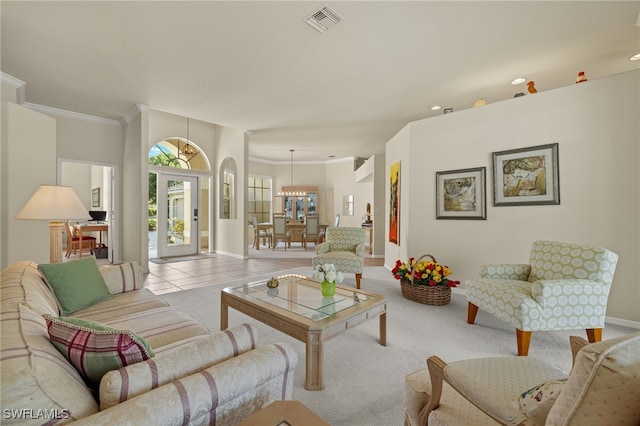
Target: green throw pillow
(94, 348)
(76, 284)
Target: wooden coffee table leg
(315, 360)
(383, 329)
(224, 314)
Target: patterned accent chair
(344, 247)
(564, 287)
(603, 388)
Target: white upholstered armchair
(603, 388)
(564, 287)
(344, 247)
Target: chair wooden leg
(523, 338)
(358, 276)
(472, 311)
(594, 334)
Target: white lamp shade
(51, 202)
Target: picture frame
(526, 176)
(394, 203)
(95, 197)
(347, 205)
(461, 194)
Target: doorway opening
(179, 199)
(96, 186)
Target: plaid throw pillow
(94, 348)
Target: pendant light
(290, 192)
(188, 149)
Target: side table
(285, 413)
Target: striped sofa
(195, 377)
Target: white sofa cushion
(125, 383)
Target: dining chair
(262, 234)
(73, 242)
(280, 231)
(311, 230)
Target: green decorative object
(328, 289)
(272, 283)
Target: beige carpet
(364, 380)
(295, 251)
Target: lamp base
(55, 241)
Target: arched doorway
(179, 199)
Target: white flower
(327, 272)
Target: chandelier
(188, 149)
(289, 191)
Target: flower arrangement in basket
(424, 281)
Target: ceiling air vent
(323, 19)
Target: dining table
(296, 229)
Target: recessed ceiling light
(635, 57)
(518, 80)
(435, 108)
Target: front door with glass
(178, 226)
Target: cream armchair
(564, 287)
(603, 388)
(344, 247)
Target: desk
(90, 227)
(295, 229)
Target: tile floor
(216, 268)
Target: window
(178, 153)
(227, 194)
(228, 189)
(259, 198)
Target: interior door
(178, 226)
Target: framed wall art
(526, 176)
(461, 194)
(394, 204)
(347, 205)
(95, 197)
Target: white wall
(24, 133)
(596, 126)
(78, 176)
(231, 234)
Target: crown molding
(133, 113)
(57, 112)
(19, 85)
(288, 162)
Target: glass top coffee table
(297, 308)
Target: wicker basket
(429, 295)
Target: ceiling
(258, 66)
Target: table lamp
(55, 204)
